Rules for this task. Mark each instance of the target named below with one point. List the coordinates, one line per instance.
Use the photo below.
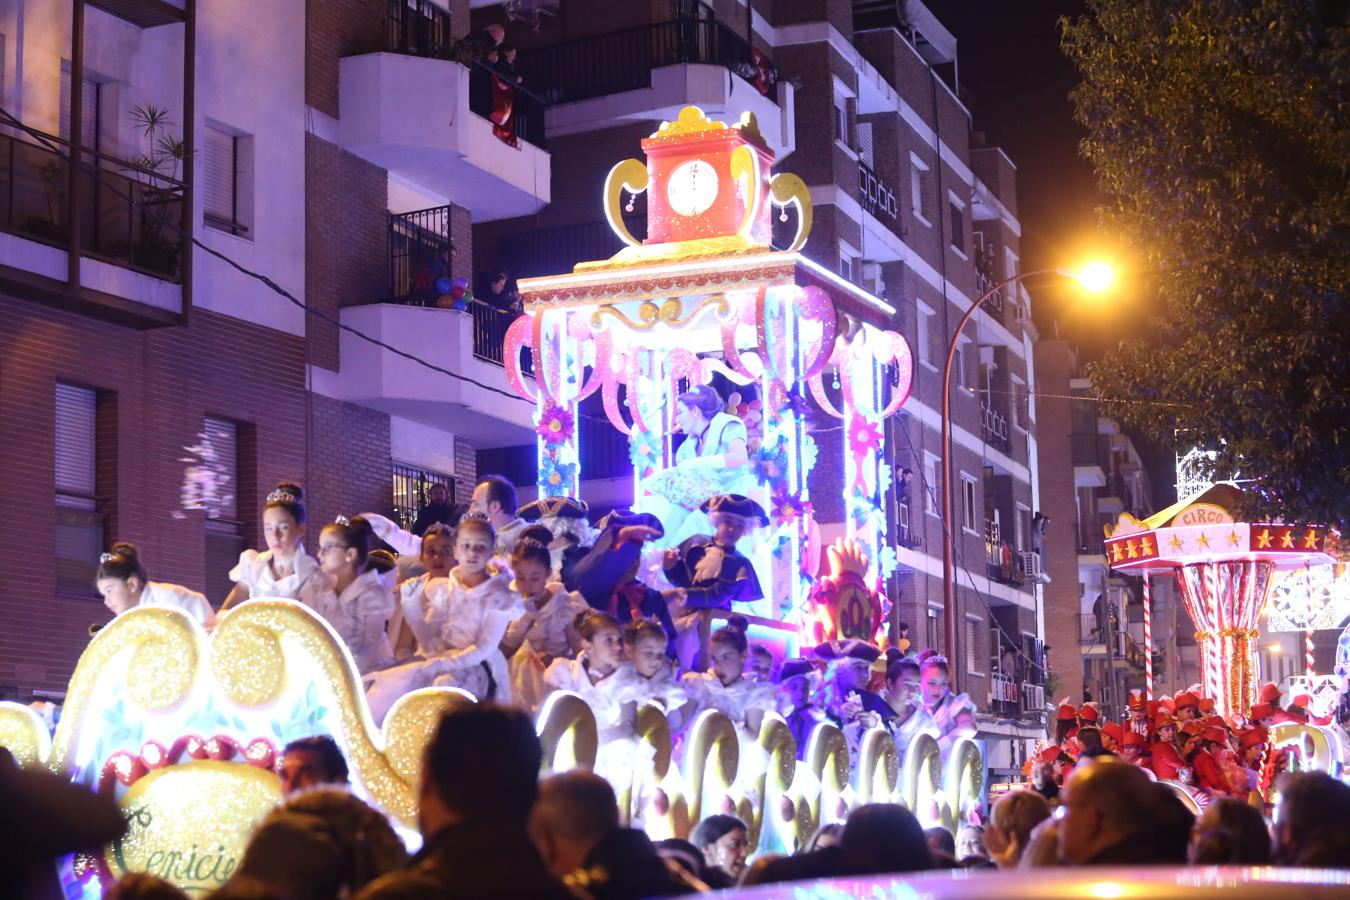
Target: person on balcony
(439, 508)
(712, 460)
(499, 291)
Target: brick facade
(349, 463)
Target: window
(842, 133)
(934, 629)
(91, 108)
(220, 500)
(80, 534)
(958, 220)
(974, 657)
(924, 335)
(959, 364)
(931, 485)
(845, 267)
(968, 509)
(918, 180)
(226, 170)
(411, 487)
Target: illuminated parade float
(183, 728)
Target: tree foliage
(1218, 133)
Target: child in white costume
(544, 633)
(122, 583)
(601, 654)
(436, 559)
(284, 569)
(360, 597)
(459, 625)
(648, 676)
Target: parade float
(183, 729)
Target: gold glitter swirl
(247, 662)
(410, 724)
(827, 756)
(711, 758)
(878, 767)
(24, 734)
(780, 747)
(165, 646)
(963, 783)
(922, 778)
(653, 729)
(785, 188)
(566, 727)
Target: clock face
(692, 188)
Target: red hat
(1207, 704)
(1134, 739)
(1113, 731)
(1253, 736)
(1303, 701)
(1185, 699)
(1136, 700)
(1168, 704)
(1191, 728)
(1051, 753)
(1066, 712)
(1163, 719)
(1262, 711)
(1088, 713)
(1271, 693)
(1217, 735)
(1216, 721)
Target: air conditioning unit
(1031, 567)
(1033, 697)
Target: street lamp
(1094, 277)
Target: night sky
(1016, 83)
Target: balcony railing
(130, 216)
(876, 196)
(1090, 450)
(418, 28)
(984, 281)
(489, 331)
(1003, 696)
(420, 252)
(623, 60)
(555, 251)
(514, 110)
(1002, 558)
(994, 426)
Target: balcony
(653, 71)
(1091, 455)
(460, 132)
(131, 249)
(985, 281)
(553, 251)
(1003, 696)
(1002, 559)
(474, 400)
(877, 197)
(994, 428)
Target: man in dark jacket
(439, 508)
(576, 828)
(479, 784)
(1110, 812)
(607, 575)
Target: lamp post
(1094, 277)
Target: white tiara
(342, 520)
(280, 496)
(105, 558)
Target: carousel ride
(182, 728)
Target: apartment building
(1091, 474)
(346, 150)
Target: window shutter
(222, 436)
(972, 646)
(219, 175)
(75, 416)
(89, 104)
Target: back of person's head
(364, 838)
(483, 764)
(941, 840)
(683, 854)
(1307, 802)
(1017, 813)
(885, 837)
(1042, 850)
(122, 562)
(826, 835)
(577, 806)
(501, 491)
(140, 886)
(1231, 832)
(1327, 847)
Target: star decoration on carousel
(1146, 546)
(1233, 539)
(1175, 543)
(1131, 549)
(1263, 539)
(1310, 540)
(1203, 540)
(1287, 540)
(1116, 554)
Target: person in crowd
(1109, 815)
(359, 600)
(761, 664)
(1137, 715)
(884, 838)
(480, 781)
(726, 689)
(572, 535)
(1165, 757)
(713, 459)
(1090, 741)
(1204, 756)
(575, 826)
(905, 699)
(544, 633)
(310, 762)
(1011, 820)
(954, 714)
(1045, 778)
(1187, 707)
(826, 835)
(284, 569)
(459, 629)
(647, 676)
(142, 886)
(970, 846)
(494, 498)
(685, 861)
(320, 844)
(123, 585)
(600, 657)
(796, 703)
(1252, 753)
(724, 842)
(1042, 850)
(941, 843)
(440, 509)
(1066, 723)
(1312, 820)
(607, 576)
(1134, 749)
(436, 557)
(710, 570)
(1230, 832)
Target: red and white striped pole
(1309, 664)
(1148, 638)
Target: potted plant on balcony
(157, 173)
(51, 174)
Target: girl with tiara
(360, 598)
(459, 628)
(437, 558)
(601, 653)
(648, 676)
(122, 582)
(544, 633)
(284, 569)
